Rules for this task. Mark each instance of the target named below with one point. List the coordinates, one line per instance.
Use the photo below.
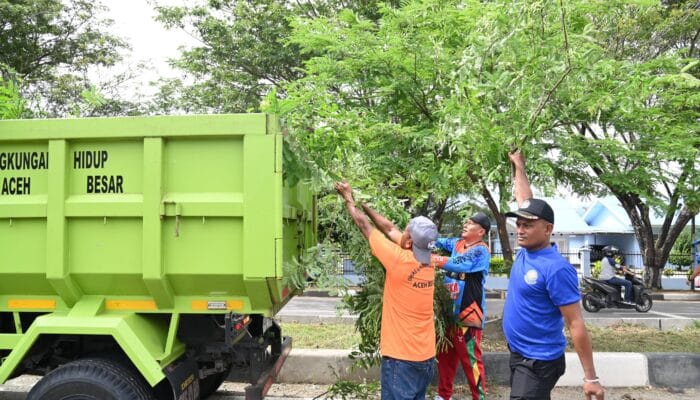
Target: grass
(321, 336)
(638, 339)
(617, 338)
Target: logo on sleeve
(531, 277)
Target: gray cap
(424, 233)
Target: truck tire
(91, 379)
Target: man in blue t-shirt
(543, 294)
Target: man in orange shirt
(407, 340)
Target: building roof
(567, 218)
(608, 215)
(602, 215)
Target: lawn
(618, 338)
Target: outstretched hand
(344, 190)
(517, 158)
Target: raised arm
(358, 217)
(383, 224)
(521, 185)
(475, 260)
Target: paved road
(316, 309)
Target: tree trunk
(439, 212)
(506, 250)
(652, 278)
(655, 252)
(504, 239)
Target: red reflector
(238, 327)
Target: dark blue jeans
(629, 294)
(406, 380)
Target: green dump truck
(142, 258)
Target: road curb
(676, 370)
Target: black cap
(534, 209)
(481, 219)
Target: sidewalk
(677, 295)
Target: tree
(50, 45)
(11, 104)
(682, 251)
(423, 104)
(628, 125)
(408, 105)
(243, 55)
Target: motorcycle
(599, 294)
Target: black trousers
(534, 379)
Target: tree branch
(545, 100)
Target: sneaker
(629, 303)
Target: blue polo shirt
(540, 282)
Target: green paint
(161, 211)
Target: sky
(150, 41)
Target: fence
(632, 260)
(346, 266)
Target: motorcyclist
(607, 272)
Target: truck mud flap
(258, 390)
(182, 375)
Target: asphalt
(672, 370)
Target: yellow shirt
(408, 329)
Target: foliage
(596, 267)
(499, 266)
(343, 389)
(243, 55)
(319, 265)
(410, 113)
(50, 46)
(627, 125)
(681, 253)
(418, 104)
(11, 103)
(442, 307)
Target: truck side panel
(167, 210)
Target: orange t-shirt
(408, 329)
